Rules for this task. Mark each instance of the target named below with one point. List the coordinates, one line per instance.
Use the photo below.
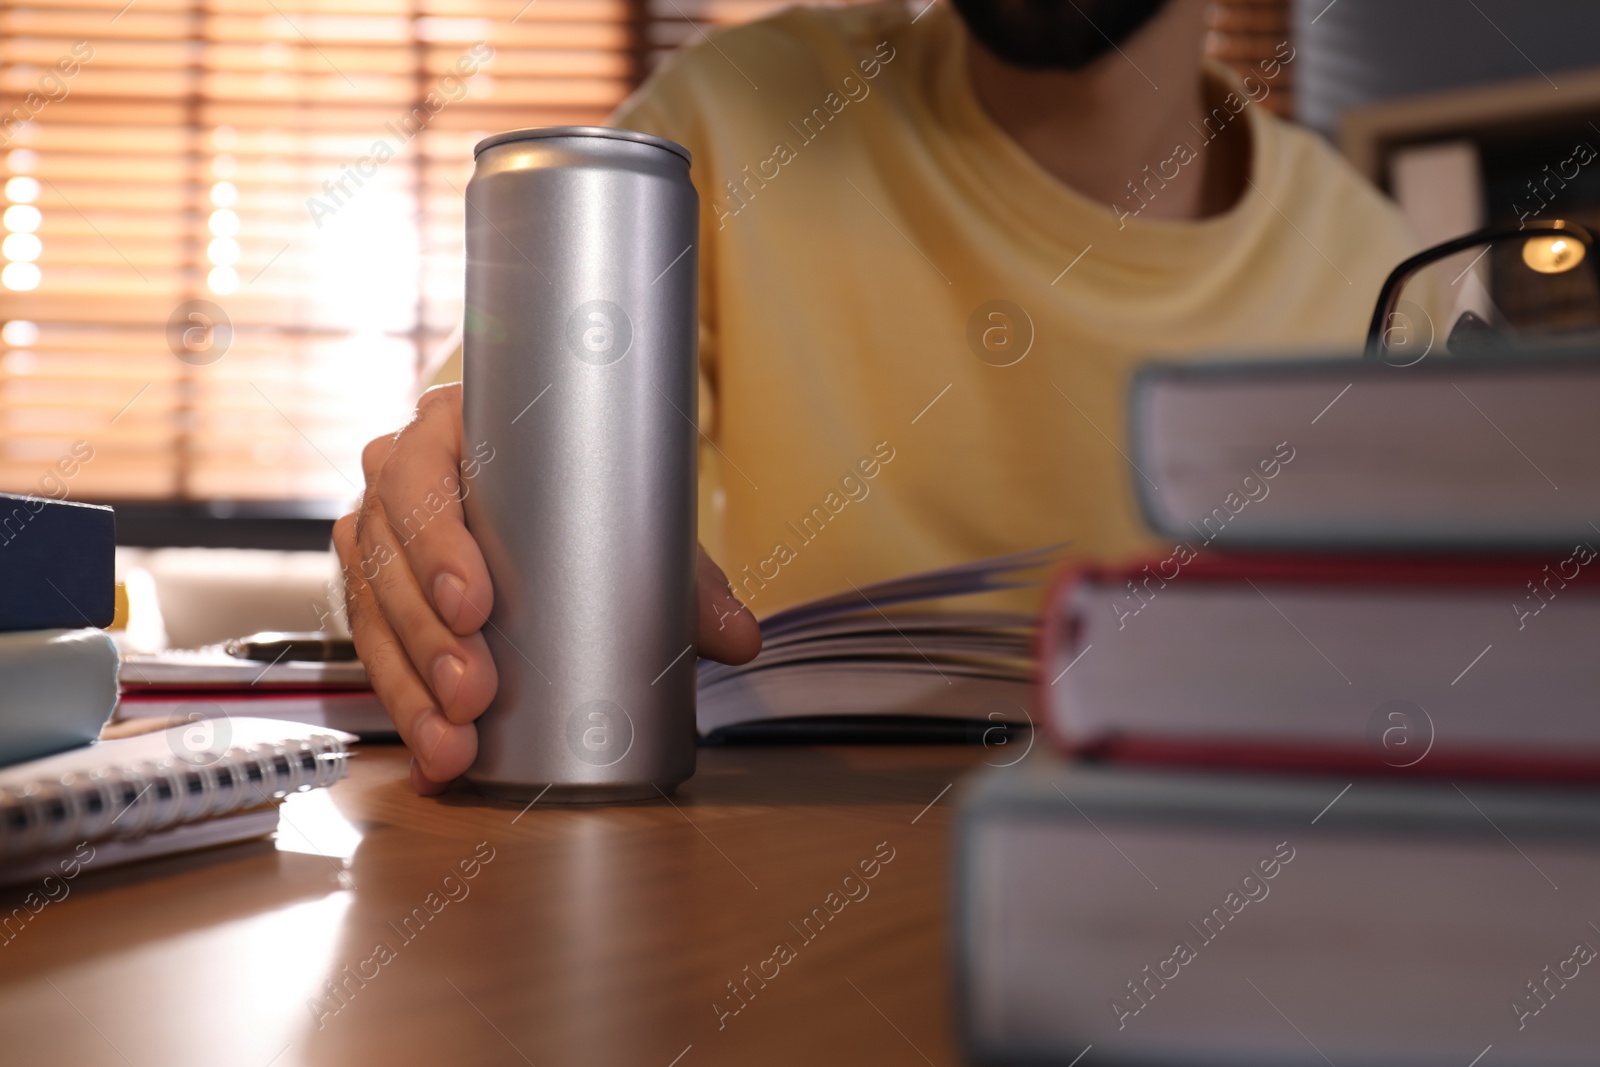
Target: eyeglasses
(1496, 288)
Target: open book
(885, 660)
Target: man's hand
(416, 602)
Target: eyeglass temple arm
(1389, 295)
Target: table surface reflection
(582, 935)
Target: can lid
(608, 132)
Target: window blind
(240, 223)
(1246, 33)
(232, 228)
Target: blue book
(56, 564)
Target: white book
(1452, 452)
(212, 667)
(57, 689)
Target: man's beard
(1054, 34)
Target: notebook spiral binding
(135, 800)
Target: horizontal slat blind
(283, 160)
(1243, 34)
(297, 164)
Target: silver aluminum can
(580, 374)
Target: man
(934, 244)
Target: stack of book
(70, 800)
(1322, 782)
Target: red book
(1437, 666)
(186, 684)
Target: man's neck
(1099, 128)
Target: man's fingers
(443, 749)
(418, 591)
(450, 568)
(728, 631)
(421, 482)
(458, 670)
(373, 454)
(424, 785)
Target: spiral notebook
(161, 792)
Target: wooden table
(584, 936)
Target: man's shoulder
(805, 31)
(1307, 159)
(1323, 190)
(790, 53)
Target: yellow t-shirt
(861, 216)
